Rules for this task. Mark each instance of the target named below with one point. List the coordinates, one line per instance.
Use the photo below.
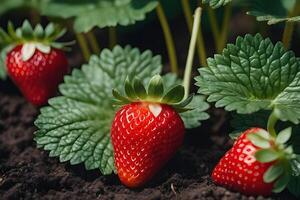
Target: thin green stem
(287, 34)
(83, 46)
(225, 28)
(202, 48)
(168, 38)
(271, 124)
(93, 42)
(289, 26)
(214, 25)
(190, 58)
(200, 41)
(187, 14)
(112, 33)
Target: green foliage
(8, 5)
(259, 141)
(240, 123)
(273, 11)
(27, 33)
(135, 91)
(216, 3)
(99, 13)
(252, 75)
(192, 117)
(76, 126)
(294, 186)
(266, 155)
(3, 73)
(273, 173)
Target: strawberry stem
(271, 124)
(168, 38)
(84, 46)
(112, 34)
(93, 42)
(289, 26)
(191, 53)
(200, 41)
(225, 26)
(214, 26)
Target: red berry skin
(239, 170)
(38, 77)
(143, 143)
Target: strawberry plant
(252, 75)
(123, 114)
(88, 114)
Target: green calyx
(27, 34)
(135, 91)
(275, 149)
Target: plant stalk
(83, 46)
(200, 41)
(271, 124)
(190, 58)
(93, 42)
(168, 38)
(112, 33)
(289, 27)
(225, 28)
(287, 34)
(214, 25)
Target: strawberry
(257, 164)
(147, 130)
(35, 62)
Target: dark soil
(28, 173)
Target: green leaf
(39, 31)
(174, 95)
(259, 141)
(284, 136)
(99, 13)
(273, 173)
(139, 88)
(294, 186)
(241, 123)
(9, 5)
(156, 87)
(193, 117)
(216, 3)
(76, 126)
(266, 155)
(119, 97)
(129, 89)
(281, 183)
(278, 12)
(27, 30)
(3, 73)
(252, 75)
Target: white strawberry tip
(28, 49)
(155, 109)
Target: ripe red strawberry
(143, 142)
(35, 62)
(255, 165)
(146, 133)
(38, 77)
